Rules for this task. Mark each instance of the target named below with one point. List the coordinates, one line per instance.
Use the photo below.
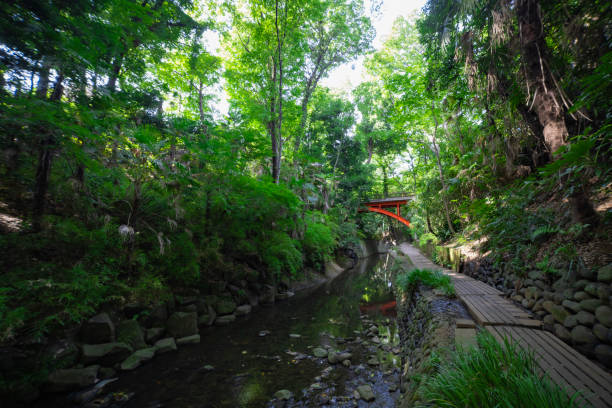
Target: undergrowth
(434, 279)
(492, 375)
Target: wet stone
(366, 393)
(319, 352)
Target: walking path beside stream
(502, 318)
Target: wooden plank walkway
(563, 364)
(502, 318)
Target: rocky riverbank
(119, 340)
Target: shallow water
(248, 368)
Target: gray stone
(137, 358)
(586, 318)
(195, 339)
(583, 335)
(604, 315)
(570, 321)
(186, 300)
(97, 330)
(601, 332)
(182, 324)
(225, 320)
(549, 319)
(366, 393)
(562, 333)
(581, 284)
(319, 352)
(105, 354)
(373, 361)
(208, 318)
(579, 296)
(201, 307)
(153, 334)
(157, 315)
(130, 333)
(590, 304)
(532, 293)
(225, 307)
(605, 274)
(591, 289)
(62, 354)
(528, 303)
(603, 291)
(335, 358)
(165, 345)
(106, 372)
(548, 295)
(537, 307)
(284, 295)
(188, 308)
(573, 306)
(268, 294)
(603, 353)
(211, 300)
(558, 298)
(243, 310)
(283, 395)
(559, 313)
(72, 379)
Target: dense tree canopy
(124, 178)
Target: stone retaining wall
(576, 307)
(424, 328)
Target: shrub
(319, 243)
(282, 255)
(434, 279)
(493, 375)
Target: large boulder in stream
(225, 306)
(135, 360)
(335, 358)
(105, 354)
(72, 379)
(182, 324)
(129, 332)
(97, 330)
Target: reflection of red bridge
(386, 309)
(378, 205)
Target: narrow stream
(240, 365)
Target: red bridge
(378, 205)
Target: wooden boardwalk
(502, 318)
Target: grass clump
(434, 279)
(493, 375)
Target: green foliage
(426, 238)
(282, 255)
(319, 243)
(435, 279)
(491, 375)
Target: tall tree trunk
(279, 126)
(112, 79)
(58, 88)
(546, 101)
(42, 88)
(442, 180)
(42, 183)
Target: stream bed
(246, 363)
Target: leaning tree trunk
(546, 100)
